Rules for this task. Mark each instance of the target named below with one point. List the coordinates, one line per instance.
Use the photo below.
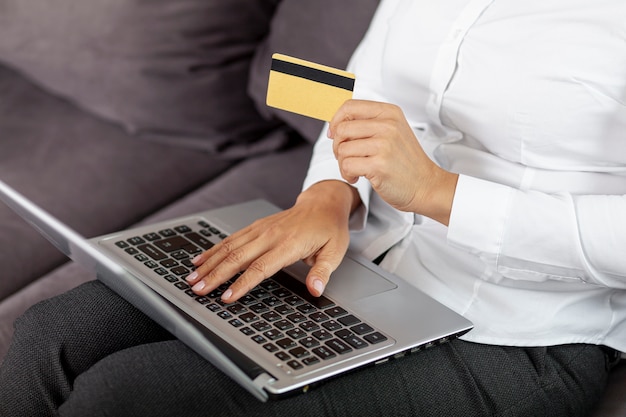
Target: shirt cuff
(479, 212)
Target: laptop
(277, 340)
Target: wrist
(438, 203)
(334, 194)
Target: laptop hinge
(263, 380)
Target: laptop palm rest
(363, 282)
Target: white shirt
(526, 100)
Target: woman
(497, 176)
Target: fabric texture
(88, 352)
(168, 71)
(322, 31)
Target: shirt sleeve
(530, 235)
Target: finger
(261, 268)
(325, 264)
(210, 253)
(231, 257)
(359, 110)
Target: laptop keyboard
(280, 315)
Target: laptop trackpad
(353, 281)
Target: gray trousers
(89, 353)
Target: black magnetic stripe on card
(313, 74)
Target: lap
(146, 372)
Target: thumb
(319, 274)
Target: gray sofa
(117, 112)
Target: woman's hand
(315, 230)
(374, 140)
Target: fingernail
(329, 134)
(227, 294)
(318, 285)
(198, 287)
(196, 259)
(192, 276)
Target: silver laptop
(278, 339)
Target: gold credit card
(307, 88)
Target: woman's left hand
(375, 141)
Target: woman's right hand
(314, 230)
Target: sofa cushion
(167, 70)
(85, 171)
(323, 31)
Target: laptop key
(336, 312)
(199, 240)
(180, 270)
(309, 326)
(294, 300)
(296, 333)
(171, 278)
(270, 347)
(261, 326)
(259, 293)
(247, 300)
(271, 316)
(273, 334)
(323, 352)
(299, 352)
(284, 325)
(310, 360)
(236, 309)
(171, 244)
(338, 346)
(249, 317)
(214, 307)
(319, 317)
(355, 341)
(181, 285)
(362, 328)
(269, 285)
(167, 233)
(247, 331)
(322, 334)
(286, 343)
(258, 308)
(151, 236)
(348, 320)
(306, 308)
(271, 301)
(236, 323)
(136, 240)
(283, 309)
(182, 229)
(297, 317)
(375, 337)
(169, 263)
(179, 255)
(309, 342)
(332, 325)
